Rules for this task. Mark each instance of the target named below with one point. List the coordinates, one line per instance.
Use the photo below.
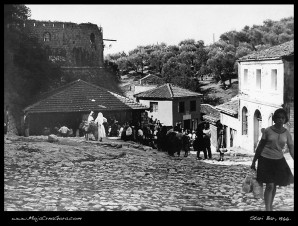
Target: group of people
(100, 122)
(199, 140)
(142, 134)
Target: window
(153, 106)
(193, 105)
(47, 37)
(181, 107)
(92, 41)
(274, 79)
(92, 38)
(245, 78)
(258, 78)
(244, 121)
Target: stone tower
(69, 44)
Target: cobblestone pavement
(73, 174)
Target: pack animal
(176, 142)
(89, 128)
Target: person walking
(207, 137)
(140, 135)
(26, 124)
(120, 131)
(198, 144)
(128, 133)
(101, 129)
(272, 167)
(221, 142)
(90, 117)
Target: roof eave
(229, 112)
(260, 59)
(155, 98)
(210, 118)
(87, 110)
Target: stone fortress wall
(69, 44)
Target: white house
(266, 83)
(229, 118)
(172, 105)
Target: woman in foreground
(272, 167)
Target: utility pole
(213, 38)
(112, 40)
(109, 40)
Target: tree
(15, 14)
(157, 57)
(243, 49)
(138, 59)
(114, 57)
(221, 60)
(156, 60)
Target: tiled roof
(230, 108)
(151, 79)
(167, 91)
(274, 52)
(209, 118)
(81, 96)
(211, 113)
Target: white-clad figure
(101, 129)
(90, 117)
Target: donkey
(88, 128)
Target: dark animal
(176, 142)
(161, 139)
(88, 128)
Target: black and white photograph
(148, 108)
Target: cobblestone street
(75, 175)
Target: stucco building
(172, 105)
(229, 118)
(266, 83)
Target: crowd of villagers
(172, 140)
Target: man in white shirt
(64, 131)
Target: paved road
(89, 176)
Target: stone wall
(67, 43)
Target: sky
(138, 25)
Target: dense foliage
(190, 59)
(27, 70)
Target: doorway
(257, 127)
(186, 124)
